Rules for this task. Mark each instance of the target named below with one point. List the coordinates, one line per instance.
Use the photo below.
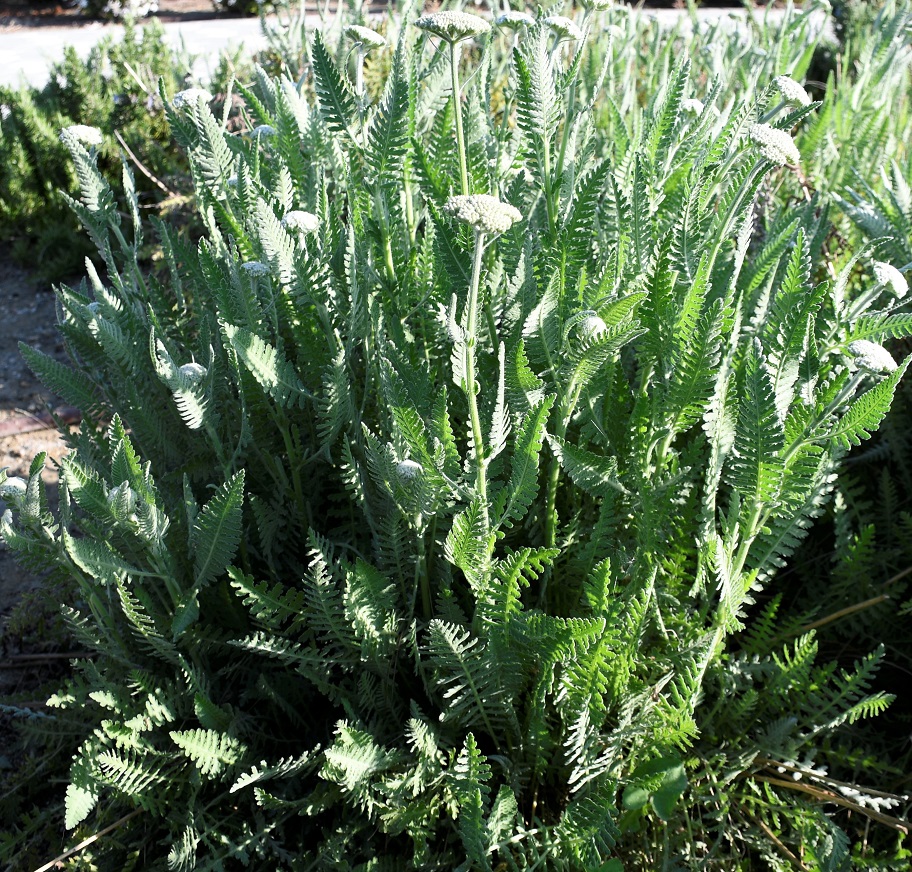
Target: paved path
(26, 53)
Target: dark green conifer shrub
(420, 509)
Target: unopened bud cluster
(774, 144)
(592, 326)
(791, 91)
(305, 222)
(564, 27)
(122, 499)
(409, 469)
(453, 26)
(871, 356)
(891, 278)
(193, 373)
(13, 488)
(513, 20)
(84, 134)
(190, 97)
(255, 268)
(364, 36)
(485, 213)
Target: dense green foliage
(113, 89)
(408, 542)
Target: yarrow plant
(775, 145)
(83, 133)
(872, 357)
(191, 97)
(453, 27)
(791, 91)
(483, 213)
(890, 278)
(513, 20)
(364, 36)
(424, 509)
(297, 219)
(564, 28)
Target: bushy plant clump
(128, 10)
(113, 90)
(419, 511)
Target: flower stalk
(457, 114)
(471, 337)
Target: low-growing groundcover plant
(419, 511)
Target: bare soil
(29, 316)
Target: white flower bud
(124, 497)
(513, 20)
(255, 268)
(13, 488)
(5, 111)
(193, 373)
(453, 26)
(190, 97)
(774, 144)
(306, 222)
(891, 278)
(483, 212)
(84, 133)
(263, 131)
(563, 27)
(592, 326)
(232, 181)
(692, 105)
(791, 91)
(364, 36)
(871, 356)
(408, 469)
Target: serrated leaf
(216, 533)
(523, 486)
(337, 101)
(274, 373)
(867, 411)
(80, 801)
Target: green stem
(457, 111)
(565, 137)
(471, 338)
(571, 109)
(546, 172)
(359, 75)
(388, 255)
(571, 398)
(492, 325)
(409, 203)
(421, 573)
(735, 208)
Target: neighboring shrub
(113, 89)
(854, 16)
(118, 9)
(419, 511)
(239, 7)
